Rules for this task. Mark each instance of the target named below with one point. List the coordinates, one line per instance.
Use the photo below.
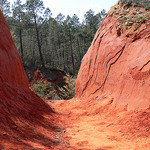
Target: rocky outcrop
(117, 64)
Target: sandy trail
(103, 131)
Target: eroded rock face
(117, 66)
(11, 68)
(25, 119)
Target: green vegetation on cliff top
(140, 3)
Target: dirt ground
(106, 129)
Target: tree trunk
(72, 57)
(79, 49)
(84, 46)
(57, 56)
(59, 52)
(64, 67)
(39, 45)
(21, 45)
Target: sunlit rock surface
(117, 65)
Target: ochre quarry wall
(117, 65)
(11, 68)
(26, 121)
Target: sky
(78, 7)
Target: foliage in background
(52, 90)
(68, 90)
(5, 7)
(40, 89)
(45, 41)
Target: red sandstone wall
(26, 119)
(11, 68)
(117, 67)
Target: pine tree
(34, 8)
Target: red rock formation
(117, 66)
(26, 121)
(11, 68)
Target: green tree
(19, 16)
(92, 22)
(47, 14)
(58, 43)
(101, 15)
(34, 8)
(5, 7)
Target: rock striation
(117, 64)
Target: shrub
(67, 91)
(140, 3)
(53, 90)
(39, 88)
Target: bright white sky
(78, 7)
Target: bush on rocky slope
(52, 84)
(140, 3)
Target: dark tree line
(45, 41)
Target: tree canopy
(42, 40)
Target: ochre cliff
(11, 68)
(26, 121)
(117, 64)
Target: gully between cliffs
(111, 107)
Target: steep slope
(118, 62)
(11, 68)
(26, 121)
